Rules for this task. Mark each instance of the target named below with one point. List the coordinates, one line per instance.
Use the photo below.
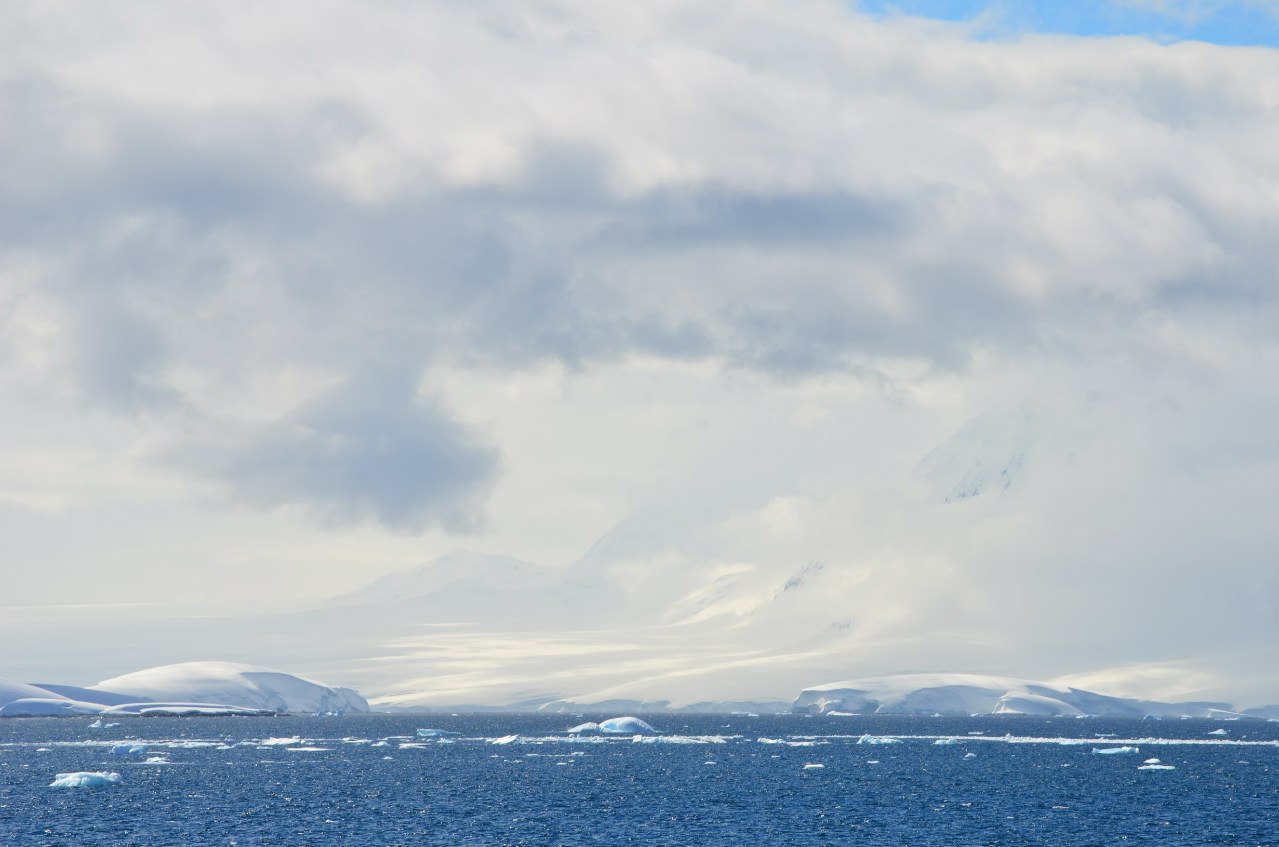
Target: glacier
(977, 694)
(185, 689)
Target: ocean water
(706, 780)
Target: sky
(296, 295)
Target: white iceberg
(85, 779)
(589, 726)
(505, 739)
(626, 726)
(1115, 751)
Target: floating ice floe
(679, 739)
(877, 739)
(626, 726)
(1151, 762)
(128, 749)
(85, 779)
(505, 739)
(1156, 767)
(1219, 732)
(941, 742)
(279, 742)
(157, 760)
(808, 766)
(437, 733)
(970, 755)
(1115, 751)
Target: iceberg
(1115, 751)
(85, 779)
(626, 726)
(589, 726)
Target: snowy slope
(968, 694)
(459, 570)
(989, 455)
(19, 699)
(232, 684)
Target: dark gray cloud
(368, 449)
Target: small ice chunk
(279, 742)
(970, 755)
(1115, 751)
(128, 749)
(813, 765)
(626, 726)
(941, 742)
(156, 760)
(505, 739)
(437, 733)
(877, 739)
(1151, 762)
(1156, 767)
(1219, 732)
(85, 779)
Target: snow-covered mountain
(454, 573)
(186, 688)
(969, 694)
(990, 454)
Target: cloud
(251, 235)
(369, 449)
(592, 185)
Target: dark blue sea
(706, 780)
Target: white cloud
(664, 262)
